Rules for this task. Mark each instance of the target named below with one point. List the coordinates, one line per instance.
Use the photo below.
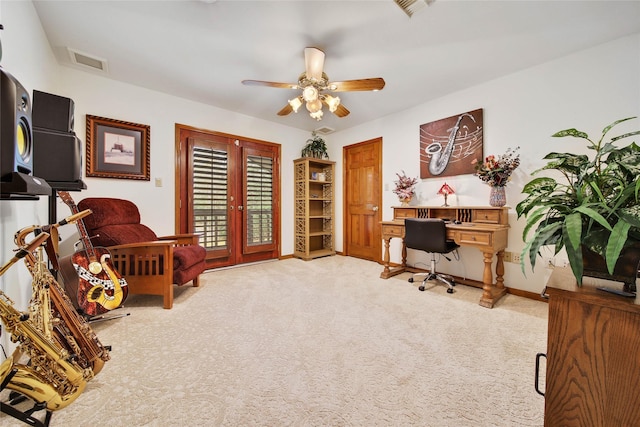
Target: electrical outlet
(515, 258)
(508, 256)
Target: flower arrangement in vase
(496, 172)
(405, 188)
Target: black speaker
(52, 112)
(15, 127)
(57, 157)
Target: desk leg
(492, 293)
(500, 270)
(386, 258)
(388, 272)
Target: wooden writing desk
(485, 228)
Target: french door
(229, 193)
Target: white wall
(587, 90)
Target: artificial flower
(405, 186)
(496, 171)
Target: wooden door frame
(182, 133)
(345, 243)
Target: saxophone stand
(16, 398)
(104, 317)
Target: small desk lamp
(445, 190)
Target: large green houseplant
(315, 147)
(594, 208)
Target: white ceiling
(201, 50)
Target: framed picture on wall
(449, 146)
(118, 149)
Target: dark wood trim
(182, 134)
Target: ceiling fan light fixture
(412, 6)
(295, 103)
(317, 115)
(333, 102)
(314, 106)
(310, 94)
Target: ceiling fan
(314, 84)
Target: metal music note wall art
(448, 146)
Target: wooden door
(362, 199)
(228, 191)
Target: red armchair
(150, 264)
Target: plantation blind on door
(210, 187)
(259, 200)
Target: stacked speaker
(57, 152)
(16, 141)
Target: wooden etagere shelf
(314, 208)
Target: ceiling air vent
(412, 6)
(324, 130)
(86, 60)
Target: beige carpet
(318, 343)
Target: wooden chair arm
(183, 239)
(153, 246)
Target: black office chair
(430, 235)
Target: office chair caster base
(421, 288)
(450, 290)
(410, 279)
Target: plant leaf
(570, 132)
(626, 135)
(541, 238)
(572, 229)
(532, 220)
(594, 215)
(616, 243)
(631, 215)
(574, 253)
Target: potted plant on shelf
(316, 147)
(592, 212)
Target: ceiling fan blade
(270, 84)
(313, 62)
(286, 110)
(341, 110)
(357, 85)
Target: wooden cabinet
(593, 358)
(314, 208)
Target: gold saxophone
(52, 311)
(49, 376)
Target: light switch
(158, 182)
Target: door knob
(375, 209)
(240, 207)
